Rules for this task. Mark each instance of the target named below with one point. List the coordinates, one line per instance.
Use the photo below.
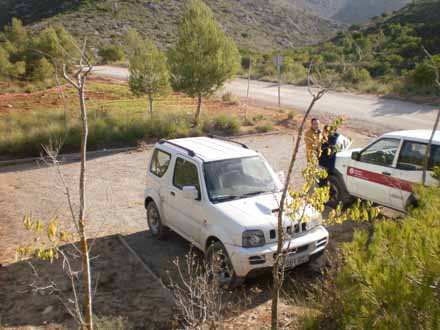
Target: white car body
(388, 178)
(202, 221)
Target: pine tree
(204, 57)
(148, 72)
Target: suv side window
(159, 162)
(381, 153)
(185, 174)
(412, 156)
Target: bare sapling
(78, 81)
(198, 296)
(55, 236)
(277, 275)
(301, 209)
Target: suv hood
(258, 212)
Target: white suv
(386, 169)
(223, 198)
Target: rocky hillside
(256, 24)
(351, 11)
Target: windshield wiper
(225, 198)
(254, 193)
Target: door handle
(386, 173)
(172, 193)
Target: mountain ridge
(254, 24)
(350, 11)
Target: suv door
(185, 216)
(372, 176)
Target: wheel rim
(221, 268)
(153, 220)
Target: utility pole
(248, 87)
(278, 61)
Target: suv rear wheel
(155, 224)
(220, 266)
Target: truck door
(410, 170)
(372, 176)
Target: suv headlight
(253, 238)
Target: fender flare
(152, 195)
(220, 234)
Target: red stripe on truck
(380, 179)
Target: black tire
(220, 267)
(338, 193)
(411, 204)
(157, 229)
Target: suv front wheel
(155, 224)
(220, 266)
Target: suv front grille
(288, 230)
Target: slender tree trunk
(199, 109)
(150, 98)
(276, 271)
(82, 210)
(428, 149)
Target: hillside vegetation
(254, 24)
(385, 56)
(352, 11)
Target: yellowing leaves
(52, 229)
(43, 249)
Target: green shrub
(43, 70)
(423, 75)
(223, 124)
(230, 98)
(264, 128)
(392, 283)
(291, 114)
(111, 53)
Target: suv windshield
(237, 178)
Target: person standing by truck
(313, 140)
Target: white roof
(210, 149)
(420, 135)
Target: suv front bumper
(300, 247)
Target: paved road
(367, 109)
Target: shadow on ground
(124, 289)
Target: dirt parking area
(115, 186)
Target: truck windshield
(237, 178)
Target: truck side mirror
(356, 155)
(190, 192)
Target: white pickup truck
(223, 198)
(385, 170)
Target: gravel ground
(115, 206)
(115, 186)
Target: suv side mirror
(356, 155)
(190, 192)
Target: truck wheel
(155, 224)
(338, 193)
(220, 267)
(412, 203)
